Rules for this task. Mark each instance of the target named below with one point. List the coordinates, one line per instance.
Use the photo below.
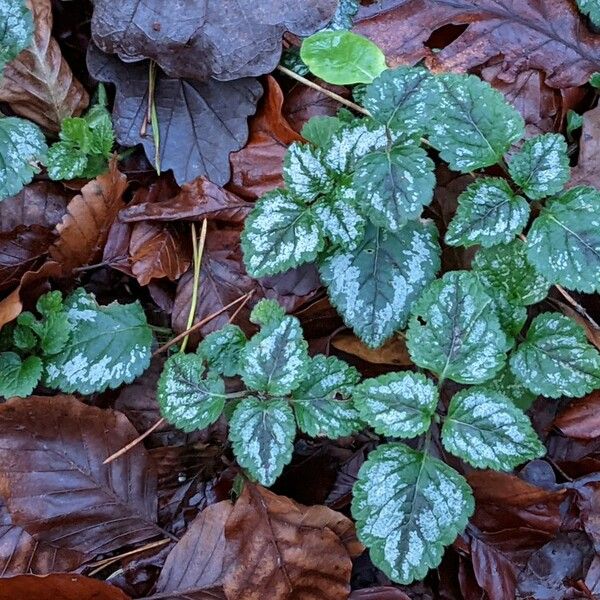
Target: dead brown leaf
(581, 420)
(39, 84)
(586, 172)
(393, 352)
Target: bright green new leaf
(280, 233)
(189, 397)
(595, 80)
(322, 404)
(564, 241)
(555, 359)
(488, 431)
(393, 186)
(408, 506)
(455, 332)
(222, 350)
(17, 30)
(472, 124)
(22, 145)
(304, 172)
(590, 8)
(488, 214)
(267, 314)
(397, 404)
(262, 433)
(320, 129)
(342, 57)
(18, 377)
(375, 286)
(574, 121)
(108, 346)
(542, 167)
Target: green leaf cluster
(74, 345)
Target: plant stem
(152, 115)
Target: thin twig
(105, 562)
(135, 442)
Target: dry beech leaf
(586, 172)
(53, 447)
(548, 35)
(393, 352)
(39, 84)
(257, 168)
(83, 231)
(581, 420)
(278, 549)
(59, 586)
(200, 39)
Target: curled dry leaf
(200, 123)
(194, 39)
(39, 84)
(393, 352)
(58, 586)
(586, 172)
(83, 231)
(379, 593)
(54, 447)
(258, 167)
(581, 420)
(548, 35)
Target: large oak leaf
(55, 484)
(200, 39)
(200, 123)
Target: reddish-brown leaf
(586, 172)
(581, 420)
(39, 84)
(278, 550)
(393, 352)
(58, 587)
(257, 168)
(55, 485)
(379, 593)
(84, 229)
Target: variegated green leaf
(542, 167)
(397, 404)
(393, 186)
(262, 433)
(507, 384)
(276, 359)
(512, 316)
(188, 396)
(488, 431)
(555, 359)
(339, 218)
(375, 286)
(472, 125)
(590, 8)
(222, 350)
(18, 377)
(304, 172)
(109, 345)
(408, 506)
(280, 233)
(17, 30)
(342, 19)
(488, 213)
(564, 241)
(504, 269)
(22, 145)
(320, 129)
(455, 332)
(322, 404)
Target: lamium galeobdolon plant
(352, 203)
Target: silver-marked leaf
(375, 286)
(222, 350)
(276, 359)
(262, 433)
(280, 233)
(393, 186)
(188, 396)
(504, 269)
(109, 345)
(472, 124)
(564, 241)
(590, 8)
(400, 98)
(555, 359)
(18, 377)
(397, 404)
(512, 316)
(488, 213)
(339, 218)
(408, 506)
(267, 314)
(304, 172)
(507, 384)
(22, 145)
(542, 167)
(322, 403)
(319, 129)
(17, 30)
(488, 431)
(455, 332)
(343, 15)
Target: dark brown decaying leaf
(257, 168)
(83, 231)
(279, 548)
(581, 420)
(58, 587)
(379, 593)
(53, 448)
(586, 172)
(200, 39)
(39, 84)
(548, 35)
(200, 122)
